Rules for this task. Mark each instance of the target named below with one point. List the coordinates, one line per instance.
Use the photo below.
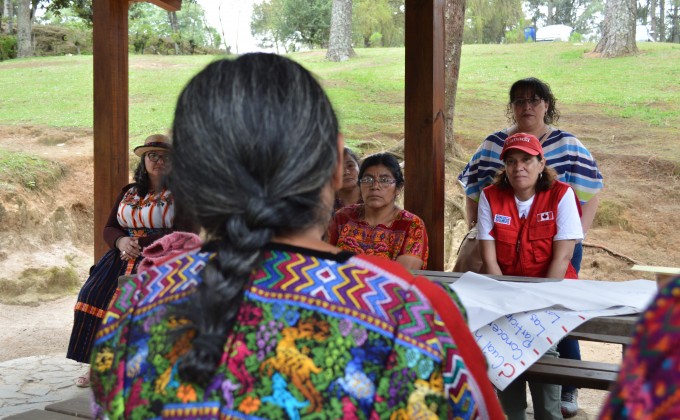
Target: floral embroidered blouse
(406, 235)
(318, 336)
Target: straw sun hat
(152, 143)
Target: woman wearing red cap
(528, 225)
(532, 109)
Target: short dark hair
(537, 88)
(386, 159)
(255, 143)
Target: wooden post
(110, 60)
(424, 124)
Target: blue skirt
(93, 301)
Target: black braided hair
(255, 142)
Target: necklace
(540, 139)
(385, 221)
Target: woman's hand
(562, 253)
(129, 248)
(487, 250)
(411, 262)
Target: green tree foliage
(287, 23)
(588, 22)
(487, 21)
(379, 23)
(80, 8)
(151, 30)
(68, 18)
(268, 26)
(149, 25)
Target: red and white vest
(524, 246)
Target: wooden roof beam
(169, 5)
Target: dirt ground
(44, 228)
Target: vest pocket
(506, 247)
(541, 238)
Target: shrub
(375, 40)
(8, 47)
(576, 37)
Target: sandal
(83, 381)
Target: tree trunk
(7, 16)
(662, 21)
(454, 14)
(653, 20)
(618, 34)
(224, 38)
(675, 30)
(24, 45)
(172, 16)
(340, 42)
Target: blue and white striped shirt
(563, 152)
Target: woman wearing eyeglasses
(379, 226)
(143, 212)
(531, 109)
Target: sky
(235, 16)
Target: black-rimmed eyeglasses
(533, 102)
(155, 157)
(383, 181)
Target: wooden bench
(74, 408)
(580, 373)
(614, 329)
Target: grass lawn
(367, 91)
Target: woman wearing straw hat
(143, 212)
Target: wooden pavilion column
(110, 61)
(111, 121)
(424, 124)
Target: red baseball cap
(524, 142)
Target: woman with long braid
(267, 320)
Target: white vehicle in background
(643, 34)
(554, 33)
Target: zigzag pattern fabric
(317, 335)
(648, 386)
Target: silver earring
(540, 175)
